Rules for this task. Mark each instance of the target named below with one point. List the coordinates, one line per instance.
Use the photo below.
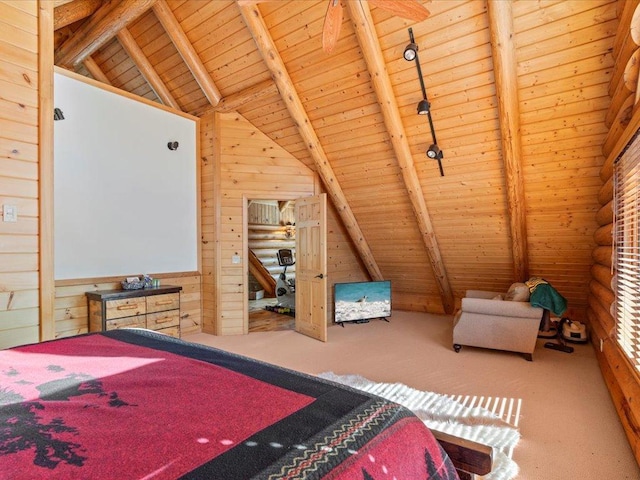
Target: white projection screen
(125, 204)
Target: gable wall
(240, 163)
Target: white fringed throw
(443, 413)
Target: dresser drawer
(156, 321)
(126, 307)
(155, 308)
(171, 331)
(160, 303)
(137, 321)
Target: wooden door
(311, 266)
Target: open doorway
(271, 278)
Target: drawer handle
(164, 320)
(126, 307)
(165, 302)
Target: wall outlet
(9, 213)
(235, 259)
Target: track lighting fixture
(424, 107)
(410, 52)
(434, 151)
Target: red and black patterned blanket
(130, 404)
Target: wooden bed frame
(470, 458)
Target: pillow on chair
(518, 292)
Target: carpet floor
(568, 425)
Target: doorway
(270, 227)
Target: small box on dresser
(155, 308)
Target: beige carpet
(568, 425)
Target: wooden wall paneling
(255, 23)
(120, 69)
(210, 220)
(71, 314)
(165, 54)
(371, 50)
(360, 140)
(343, 263)
(95, 71)
(21, 142)
(45, 194)
(142, 63)
(241, 166)
(188, 53)
(559, 113)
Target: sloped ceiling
(564, 53)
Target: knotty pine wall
(240, 163)
(623, 120)
(71, 314)
(19, 172)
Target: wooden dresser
(153, 308)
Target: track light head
(434, 152)
(423, 107)
(410, 52)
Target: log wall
(19, 172)
(623, 120)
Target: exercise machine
(285, 288)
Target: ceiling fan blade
(409, 9)
(332, 24)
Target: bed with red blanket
(134, 404)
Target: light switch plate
(9, 213)
(235, 259)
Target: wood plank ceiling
(523, 108)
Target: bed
(135, 404)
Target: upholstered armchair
(486, 320)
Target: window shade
(627, 251)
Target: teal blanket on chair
(545, 296)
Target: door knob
(321, 276)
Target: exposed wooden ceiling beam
(73, 11)
(99, 29)
(504, 67)
(146, 69)
(255, 92)
(255, 23)
(95, 71)
(187, 52)
(372, 52)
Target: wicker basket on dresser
(153, 308)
